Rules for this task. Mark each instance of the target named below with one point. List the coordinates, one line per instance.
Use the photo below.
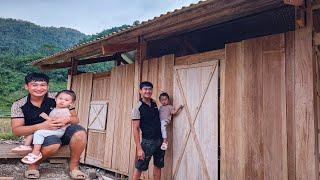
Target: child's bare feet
(164, 145)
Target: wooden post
(72, 71)
(140, 56)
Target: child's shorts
(151, 148)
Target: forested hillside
(22, 42)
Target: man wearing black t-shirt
(145, 117)
(26, 120)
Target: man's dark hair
(146, 84)
(69, 92)
(164, 94)
(36, 77)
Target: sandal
(32, 174)
(31, 158)
(164, 146)
(77, 174)
(22, 149)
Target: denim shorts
(65, 139)
(151, 148)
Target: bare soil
(14, 168)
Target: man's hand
(50, 125)
(140, 153)
(61, 121)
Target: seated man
(26, 120)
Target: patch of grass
(5, 125)
(8, 136)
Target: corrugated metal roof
(143, 23)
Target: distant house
(246, 71)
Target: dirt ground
(14, 168)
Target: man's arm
(136, 136)
(19, 128)
(18, 122)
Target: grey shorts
(151, 148)
(65, 139)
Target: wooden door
(195, 128)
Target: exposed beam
(82, 62)
(118, 48)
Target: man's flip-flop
(77, 174)
(22, 149)
(31, 158)
(32, 174)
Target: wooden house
(246, 71)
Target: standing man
(26, 120)
(145, 117)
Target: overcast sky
(87, 16)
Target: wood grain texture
(95, 148)
(195, 143)
(82, 86)
(122, 131)
(118, 133)
(101, 88)
(305, 127)
(5, 152)
(254, 145)
(289, 68)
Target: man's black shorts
(65, 139)
(151, 148)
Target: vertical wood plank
(222, 131)
(233, 147)
(111, 118)
(251, 113)
(84, 98)
(289, 73)
(274, 108)
(305, 127)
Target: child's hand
(44, 116)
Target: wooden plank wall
(118, 134)
(101, 87)
(82, 86)
(95, 148)
(254, 119)
(159, 71)
(269, 117)
(96, 139)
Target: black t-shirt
(25, 109)
(149, 119)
